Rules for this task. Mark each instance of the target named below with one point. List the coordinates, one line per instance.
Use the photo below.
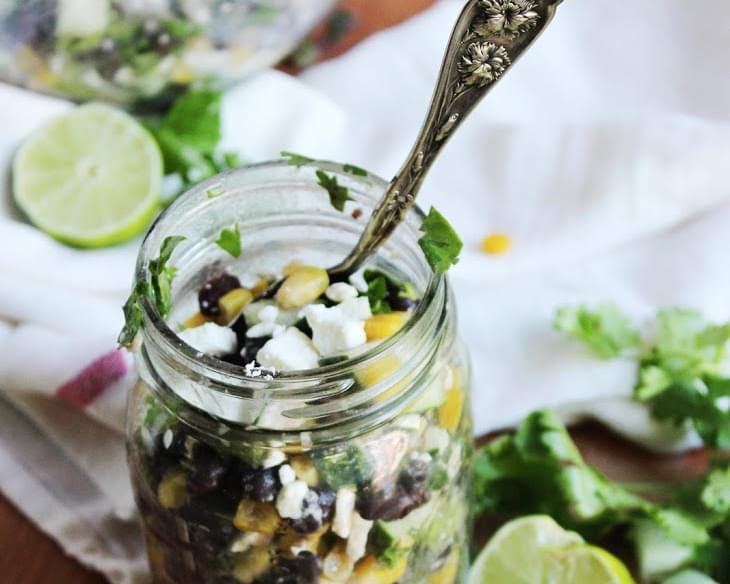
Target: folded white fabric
(586, 157)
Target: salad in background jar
(319, 435)
(137, 51)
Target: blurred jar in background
(133, 52)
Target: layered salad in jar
(130, 51)
(382, 507)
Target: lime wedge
(90, 177)
(536, 550)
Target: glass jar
(380, 441)
(130, 51)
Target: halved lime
(90, 177)
(536, 550)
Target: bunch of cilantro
(188, 136)
(683, 378)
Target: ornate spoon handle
(489, 36)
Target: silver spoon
(489, 36)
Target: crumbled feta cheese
(344, 508)
(358, 308)
(413, 422)
(82, 17)
(358, 281)
(291, 350)
(167, 438)
(358, 537)
(287, 474)
(290, 501)
(436, 439)
(274, 458)
(339, 292)
(265, 329)
(252, 313)
(211, 339)
(340, 328)
(269, 313)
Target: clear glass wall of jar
(380, 442)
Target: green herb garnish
(230, 241)
(188, 136)
(377, 292)
(339, 195)
(682, 373)
(298, 160)
(408, 291)
(440, 243)
(214, 192)
(605, 330)
(354, 170)
(158, 291)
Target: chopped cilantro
(377, 292)
(339, 195)
(354, 170)
(158, 291)
(408, 291)
(440, 243)
(438, 478)
(298, 160)
(605, 330)
(214, 192)
(384, 544)
(230, 241)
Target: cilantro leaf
(715, 494)
(539, 470)
(440, 243)
(606, 331)
(158, 291)
(188, 137)
(378, 291)
(339, 195)
(294, 159)
(354, 170)
(230, 241)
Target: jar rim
(171, 338)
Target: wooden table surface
(27, 556)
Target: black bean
(261, 484)
(396, 301)
(216, 287)
(209, 469)
(317, 510)
(391, 502)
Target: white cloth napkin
(605, 156)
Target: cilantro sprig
(157, 290)
(189, 136)
(230, 241)
(294, 159)
(440, 242)
(683, 370)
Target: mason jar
(382, 439)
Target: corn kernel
(232, 303)
(496, 244)
(305, 470)
(181, 73)
(290, 267)
(450, 411)
(172, 492)
(381, 326)
(198, 319)
(304, 285)
(257, 517)
(447, 573)
(252, 565)
(337, 565)
(261, 286)
(370, 571)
